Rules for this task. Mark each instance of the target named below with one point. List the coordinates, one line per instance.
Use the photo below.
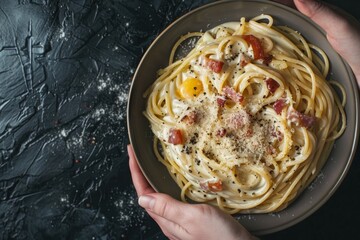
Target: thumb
(342, 30)
(324, 15)
(164, 206)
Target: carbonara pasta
(246, 119)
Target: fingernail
(146, 202)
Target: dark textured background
(65, 70)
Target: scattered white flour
(102, 85)
(64, 199)
(247, 216)
(116, 112)
(64, 133)
(185, 47)
(74, 142)
(317, 180)
(122, 98)
(98, 114)
(61, 35)
(129, 213)
(275, 215)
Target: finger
(166, 207)
(342, 30)
(170, 229)
(324, 15)
(140, 183)
(170, 214)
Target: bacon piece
(267, 59)
(232, 94)
(175, 136)
(256, 46)
(307, 121)
(214, 65)
(220, 100)
(293, 116)
(279, 105)
(301, 119)
(191, 118)
(258, 50)
(272, 85)
(213, 186)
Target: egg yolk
(191, 88)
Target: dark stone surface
(65, 71)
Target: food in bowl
(246, 119)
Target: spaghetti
(247, 119)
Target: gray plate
(210, 16)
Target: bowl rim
(352, 81)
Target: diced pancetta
(191, 118)
(232, 94)
(279, 105)
(212, 186)
(272, 85)
(175, 136)
(301, 119)
(214, 65)
(220, 100)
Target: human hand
(180, 220)
(342, 30)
